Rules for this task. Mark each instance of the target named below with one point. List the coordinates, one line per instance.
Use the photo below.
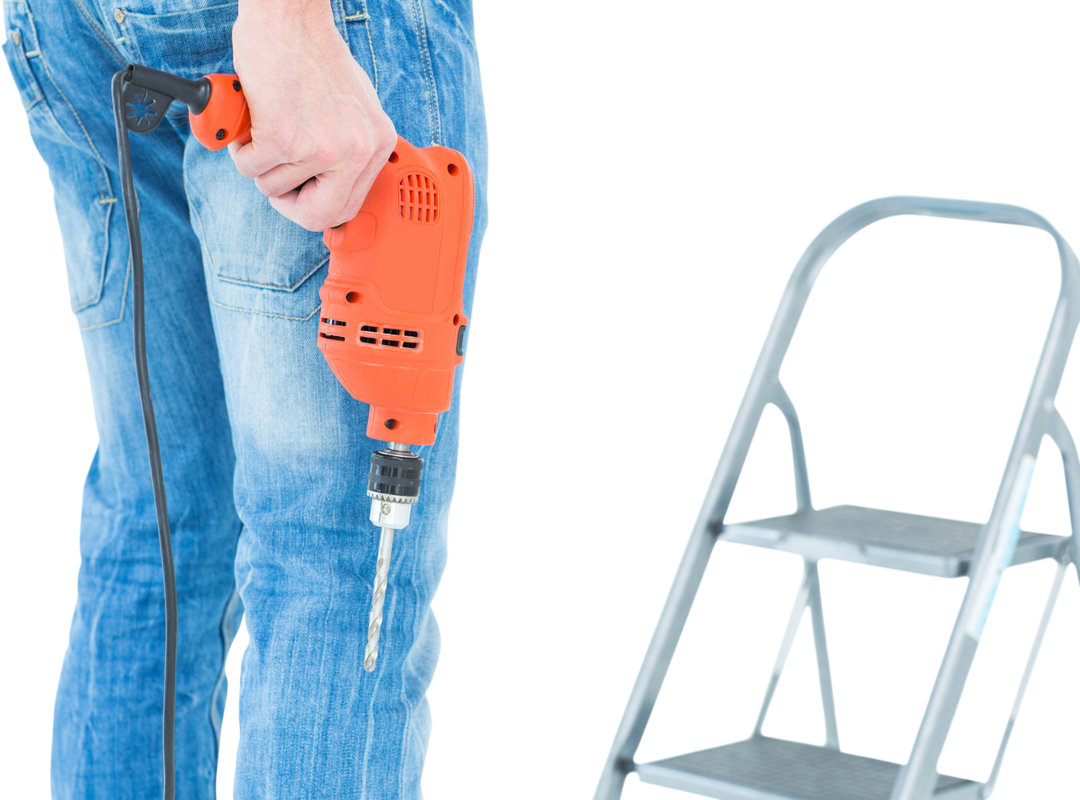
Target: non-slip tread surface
(881, 527)
(794, 770)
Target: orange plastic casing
(225, 118)
(392, 321)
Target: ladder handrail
(814, 258)
(916, 779)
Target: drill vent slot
(418, 198)
(332, 336)
(412, 340)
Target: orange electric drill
(392, 323)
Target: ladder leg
(801, 599)
(657, 660)
(917, 778)
(1048, 610)
(817, 615)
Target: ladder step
(908, 542)
(774, 769)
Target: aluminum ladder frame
(917, 779)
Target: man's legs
(107, 729)
(310, 720)
(313, 724)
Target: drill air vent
(335, 323)
(418, 198)
(408, 339)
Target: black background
(645, 229)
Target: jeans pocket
(82, 190)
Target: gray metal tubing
(1059, 432)
(817, 616)
(794, 620)
(916, 779)
(809, 594)
(1048, 610)
(781, 400)
(680, 598)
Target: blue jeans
(264, 453)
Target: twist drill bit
(378, 595)
(393, 486)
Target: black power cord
(131, 209)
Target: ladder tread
(910, 542)
(761, 768)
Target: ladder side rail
(761, 391)
(654, 667)
(917, 779)
(1044, 622)
(1059, 433)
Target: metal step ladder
(762, 768)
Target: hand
(318, 134)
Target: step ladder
(762, 768)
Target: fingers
(275, 173)
(318, 184)
(325, 201)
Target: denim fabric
(264, 453)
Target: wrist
(310, 18)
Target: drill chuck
(393, 486)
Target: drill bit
(378, 595)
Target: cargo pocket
(83, 194)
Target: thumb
(251, 160)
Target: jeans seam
(299, 283)
(123, 300)
(366, 18)
(420, 27)
(360, 16)
(265, 313)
